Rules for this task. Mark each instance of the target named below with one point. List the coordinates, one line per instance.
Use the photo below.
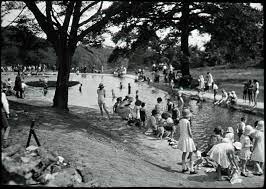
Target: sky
(194, 39)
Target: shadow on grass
(168, 168)
(209, 177)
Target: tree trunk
(184, 39)
(64, 58)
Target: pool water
(205, 117)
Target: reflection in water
(205, 117)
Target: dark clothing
(129, 89)
(18, 87)
(142, 115)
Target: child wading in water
(186, 143)
(101, 99)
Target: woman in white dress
(258, 150)
(101, 99)
(186, 143)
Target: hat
(237, 145)
(100, 85)
(249, 130)
(226, 140)
(170, 120)
(230, 130)
(186, 113)
(260, 125)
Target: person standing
(159, 107)
(129, 88)
(186, 143)
(209, 81)
(101, 99)
(250, 92)
(258, 150)
(5, 128)
(201, 85)
(241, 127)
(215, 91)
(18, 87)
(121, 86)
(255, 91)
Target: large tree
(65, 23)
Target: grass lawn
(233, 79)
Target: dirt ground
(116, 154)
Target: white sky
(194, 39)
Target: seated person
(124, 109)
(152, 123)
(224, 97)
(118, 101)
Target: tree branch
(17, 16)
(74, 26)
(69, 11)
(42, 20)
(93, 16)
(89, 6)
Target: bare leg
(190, 162)
(104, 107)
(184, 167)
(101, 109)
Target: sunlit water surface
(205, 117)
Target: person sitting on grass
(168, 124)
(224, 154)
(223, 99)
(118, 101)
(152, 123)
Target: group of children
(251, 90)
(229, 98)
(233, 153)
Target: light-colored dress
(258, 151)
(245, 151)
(159, 108)
(101, 99)
(185, 143)
(218, 153)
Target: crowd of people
(226, 152)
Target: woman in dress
(101, 99)
(186, 143)
(258, 150)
